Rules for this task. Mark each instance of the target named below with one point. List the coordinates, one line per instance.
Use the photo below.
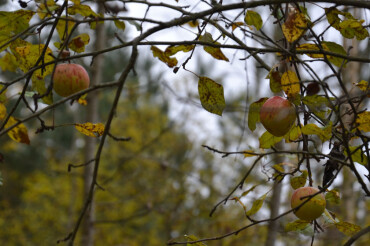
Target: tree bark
(88, 229)
(273, 226)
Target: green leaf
(211, 95)
(247, 191)
(254, 113)
(253, 19)
(300, 181)
(335, 48)
(347, 228)
(120, 24)
(323, 133)
(333, 196)
(193, 238)
(267, 140)
(256, 206)
(297, 225)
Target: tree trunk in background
(273, 226)
(90, 147)
(350, 75)
(275, 203)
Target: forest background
(169, 159)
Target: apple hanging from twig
(277, 115)
(313, 208)
(69, 79)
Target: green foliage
(254, 19)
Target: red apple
(277, 115)
(69, 79)
(311, 209)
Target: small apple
(277, 115)
(311, 209)
(69, 79)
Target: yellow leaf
(82, 101)
(295, 26)
(363, 121)
(293, 134)
(254, 113)
(211, 95)
(333, 196)
(215, 52)
(247, 191)
(297, 225)
(254, 19)
(267, 140)
(2, 94)
(8, 62)
(79, 42)
(300, 181)
(2, 111)
(83, 10)
(347, 228)
(235, 25)
(18, 133)
(256, 206)
(61, 28)
(172, 50)
(15, 22)
(358, 155)
(323, 133)
(193, 23)
(26, 55)
(290, 83)
(363, 85)
(90, 129)
(248, 153)
(170, 61)
(275, 80)
(120, 24)
(45, 10)
(311, 47)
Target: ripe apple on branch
(69, 79)
(313, 208)
(277, 115)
